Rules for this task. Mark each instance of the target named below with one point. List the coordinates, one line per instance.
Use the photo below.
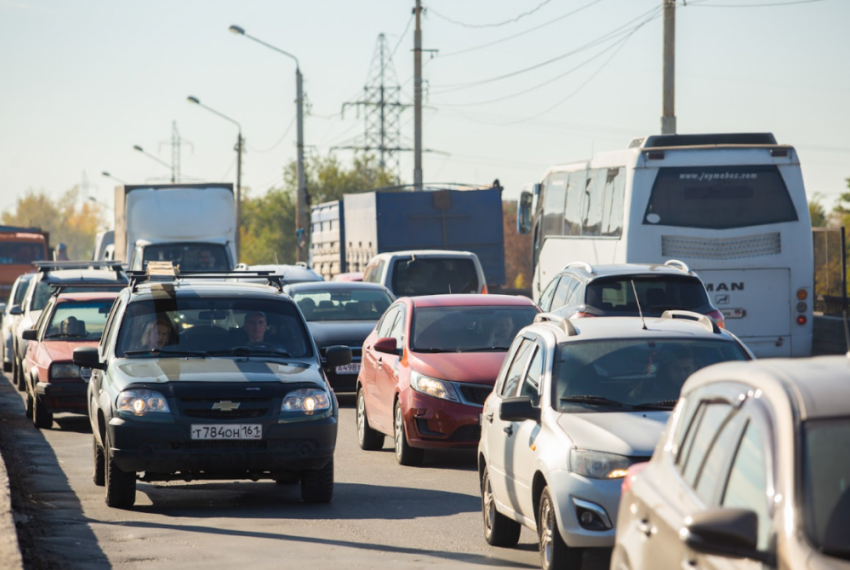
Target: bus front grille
(680, 247)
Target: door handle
(489, 416)
(643, 526)
(509, 430)
(380, 359)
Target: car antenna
(640, 312)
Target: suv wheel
(554, 553)
(18, 374)
(317, 486)
(120, 485)
(499, 530)
(99, 472)
(404, 454)
(368, 438)
(29, 405)
(41, 416)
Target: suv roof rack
(166, 272)
(47, 266)
(59, 288)
(680, 265)
(587, 267)
(701, 319)
(562, 323)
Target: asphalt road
(383, 515)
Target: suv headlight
(64, 370)
(141, 402)
(306, 401)
(598, 464)
(442, 389)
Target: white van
(427, 272)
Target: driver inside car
(256, 328)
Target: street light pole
(159, 160)
(107, 175)
(240, 145)
(302, 218)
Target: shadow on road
(52, 531)
(72, 423)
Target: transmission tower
(175, 143)
(382, 108)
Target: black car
(198, 378)
(341, 313)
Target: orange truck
(19, 247)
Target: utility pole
(668, 117)
(417, 98)
(302, 215)
(240, 145)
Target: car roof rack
(587, 267)
(166, 272)
(680, 265)
(562, 323)
(701, 319)
(47, 266)
(59, 288)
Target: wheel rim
(361, 412)
(546, 532)
(489, 507)
(399, 431)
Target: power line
(275, 145)
(701, 5)
(494, 25)
(404, 33)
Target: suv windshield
(343, 304)
(825, 473)
(612, 374)
(78, 320)
(468, 329)
(213, 326)
(613, 296)
(189, 256)
(719, 197)
(434, 276)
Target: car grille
(207, 400)
(222, 415)
(474, 394)
(468, 433)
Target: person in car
(502, 333)
(670, 375)
(157, 333)
(206, 261)
(256, 328)
(72, 327)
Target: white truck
(191, 225)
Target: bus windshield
(719, 197)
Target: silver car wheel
(399, 431)
(547, 522)
(361, 413)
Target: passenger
(669, 377)
(502, 333)
(71, 327)
(308, 307)
(206, 260)
(255, 327)
(157, 333)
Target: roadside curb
(10, 552)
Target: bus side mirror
(523, 213)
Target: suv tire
(499, 530)
(120, 485)
(404, 454)
(18, 374)
(368, 438)
(99, 473)
(41, 416)
(317, 485)
(29, 405)
(554, 553)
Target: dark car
(581, 290)
(199, 378)
(342, 313)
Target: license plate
(229, 431)
(733, 313)
(353, 368)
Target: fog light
(591, 516)
(587, 518)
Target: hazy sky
(85, 80)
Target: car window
(397, 330)
(686, 408)
(79, 320)
(746, 487)
(561, 292)
(474, 328)
(716, 463)
(373, 272)
(342, 304)
(105, 339)
(702, 431)
(614, 296)
(42, 318)
(387, 321)
(434, 275)
(575, 286)
(531, 384)
(517, 368)
(21, 290)
(546, 298)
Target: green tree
(817, 212)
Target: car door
(521, 450)
(500, 432)
(35, 350)
(387, 373)
(370, 362)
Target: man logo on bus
(725, 287)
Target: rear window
(615, 297)
(343, 304)
(719, 197)
(43, 292)
(434, 276)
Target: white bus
(731, 206)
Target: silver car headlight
(141, 402)
(306, 401)
(598, 464)
(442, 389)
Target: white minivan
(427, 272)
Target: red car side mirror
(387, 345)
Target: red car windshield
(468, 329)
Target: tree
(517, 250)
(817, 212)
(68, 222)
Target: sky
(85, 81)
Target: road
(383, 515)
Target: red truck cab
(19, 247)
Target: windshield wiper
(247, 351)
(160, 352)
(487, 349)
(661, 404)
(597, 400)
(65, 335)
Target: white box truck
(193, 225)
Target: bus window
(594, 196)
(555, 192)
(575, 197)
(612, 213)
(719, 197)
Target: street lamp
(240, 142)
(302, 221)
(149, 155)
(115, 178)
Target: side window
(546, 298)
(387, 321)
(108, 329)
(373, 272)
(506, 364)
(716, 463)
(594, 197)
(531, 385)
(397, 332)
(553, 204)
(561, 292)
(702, 431)
(612, 206)
(575, 199)
(517, 368)
(571, 293)
(43, 317)
(684, 414)
(746, 487)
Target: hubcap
(489, 513)
(399, 433)
(361, 411)
(546, 533)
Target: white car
(11, 316)
(576, 404)
(427, 272)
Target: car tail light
(582, 315)
(484, 289)
(631, 474)
(717, 317)
(801, 320)
(802, 294)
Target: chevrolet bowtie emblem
(226, 406)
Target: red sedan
(428, 367)
(53, 382)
